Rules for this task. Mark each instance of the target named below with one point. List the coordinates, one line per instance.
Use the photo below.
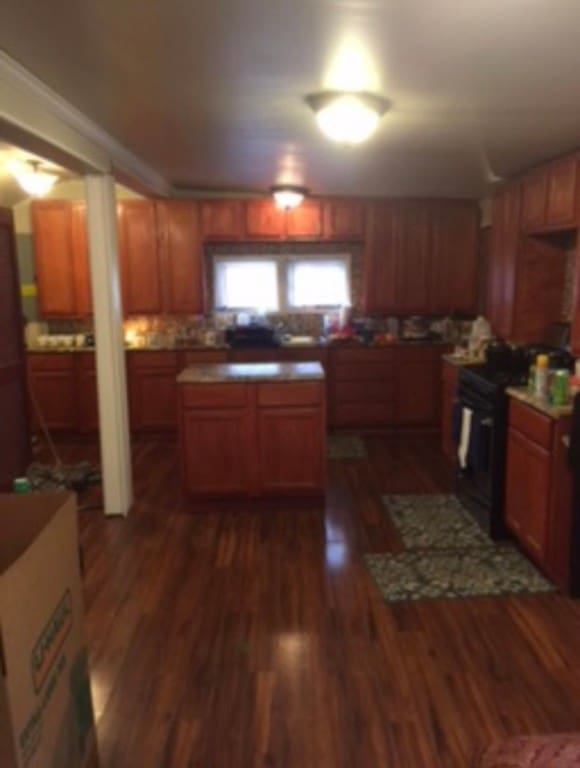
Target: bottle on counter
(541, 378)
(532, 380)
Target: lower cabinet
(418, 387)
(538, 488)
(253, 439)
(153, 390)
(87, 391)
(53, 391)
(449, 381)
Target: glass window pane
(319, 282)
(246, 283)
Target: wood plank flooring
(255, 638)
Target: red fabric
(555, 751)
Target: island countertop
(209, 373)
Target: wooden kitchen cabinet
(343, 220)
(449, 382)
(81, 267)
(379, 262)
(264, 220)
(534, 199)
(453, 257)
(304, 221)
(222, 219)
(53, 390)
(181, 257)
(54, 257)
(418, 386)
(86, 382)
(153, 390)
(412, 258)
(361, 387)
(139, 258)
(563, 193)
(528, 478)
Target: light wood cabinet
(153, 390)
(343, 219)
(54, 257)
(264, 220)
(222, 219)
(304, 221)
(139, 258)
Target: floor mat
(447, 557)
(345, 447)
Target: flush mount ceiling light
(347, 117)
(288, 195)
(33, 179)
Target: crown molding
(35, 108)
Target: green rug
(447, 555)
(345, 447)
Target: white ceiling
(210, 93)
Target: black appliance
(253, 335)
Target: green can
(21, 485)
(560, 388)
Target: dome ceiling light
(347, 117)
(288, 195)
(33, 179)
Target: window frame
(282, 262)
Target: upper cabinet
(139, 257)
(454, 257)
(264, 220)
(421, 257)
(343, 220)
(181, 256)
(222, 219)
(305, 221)
(551, 196)
(60, 258)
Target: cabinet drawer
(58, 361)
(364, 392)
(363, 372)
(362, 355)
(214, 395)
(531, 423)
(294, 393)
(161, 359)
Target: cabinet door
(412, 246)
(222, 219)
(181, 256)
(454, 258)
(53, 257)
(527, 496)
(417, 388)
(139, 257)
(80, 248)
(503, 256)
(562, 192)
(343, 220)
(153, 390)
(304, 221)
(291, 449)
(379, 272)
(14, 429)
(87, 392)
(53, 390)
(534, 200)
(217, 445)
(449, 378)
(264, 220)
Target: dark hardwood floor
(238, 639)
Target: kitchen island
(250, 430)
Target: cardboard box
(46, 714)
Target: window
(281, 282)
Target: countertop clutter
(240, 372)
(544, 406)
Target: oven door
(480, 484)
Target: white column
(110, 357)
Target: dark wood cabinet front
(222, 219)
(264, 220)
(153, 390)
(343, 220)
(181, 257)
(418, 387)
(53, 391)
(563, 192)
(380, 265)
(449, 381)
(304, 221)
(534, 200)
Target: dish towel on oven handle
(465, 435)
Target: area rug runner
(447, 555)
(345, 447)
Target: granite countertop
(553, 411)
(462, 360)
(212, 373)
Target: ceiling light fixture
(347, 117)
(32, 179)
(288, 195)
